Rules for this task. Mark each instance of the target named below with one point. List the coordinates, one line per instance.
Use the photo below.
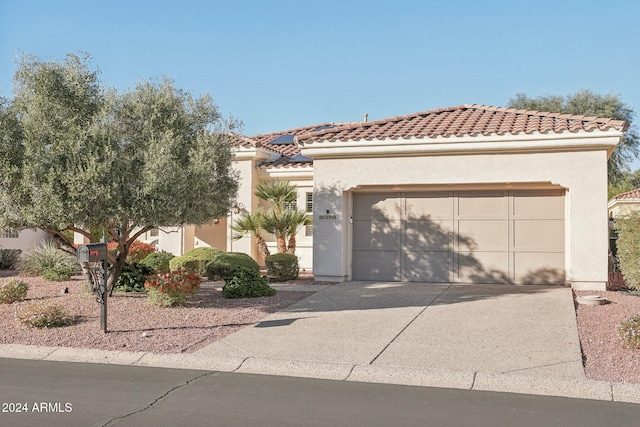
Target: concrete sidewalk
(478, 337)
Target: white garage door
(476, 237)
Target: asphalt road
(75, 394)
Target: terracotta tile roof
(462, 120)
(633, 194)
(290, 152)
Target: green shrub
(44, 316)
(225, 265)
(47, 257)
(9, 258)
(13, 291)
(58, 273)
(628, 245)
(133, 277)
(247, 284)
(195, 260)
(629, 332)
(159, 261)
(281, 267)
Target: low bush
(195, 260)
(628, 249)
(137, 251)
(159, 261)
(172, 289)
(133, 277)
(247, 284)
(629, 331)
(9, 258)
(58, 273)
(281, 267)
(13, 291)
(224, 266)
(44, 316)
(48, 257)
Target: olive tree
(76, 156)
(588, 103)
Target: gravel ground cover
(135, 325)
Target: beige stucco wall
(582, 174)
(27, 240)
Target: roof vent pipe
(366, 117)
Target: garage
(496, 236)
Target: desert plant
(247, 284)
(44, 316)
(133, 277)
(46, 257)
(172, 289)
(58, 273)
(629, 331)
(13, 291)
(195, 260)
(224, 265)
(628, 245)
(159, 261)
(137, 251)
(281, 267)
(9, 258)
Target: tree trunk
(262, 247)
(291, 249)
(282, 244)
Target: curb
(466, 380)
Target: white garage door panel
(430, 266)
(478, 237)
(424, 206)
(482, 205)
(538, 235)
(487, 235)
(428, 235)
(379, 235)
(482, 267)
(380, 264)
(384, 206)
(539, 268)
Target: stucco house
(624, 204)
(25, 240)
(471, 193)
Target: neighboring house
(471, 193)
(25, 240)
(624, 204)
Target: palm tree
(280, 221)
(298, 219)
(278, 193)
(252, 224)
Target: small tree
(75, 157)
(281, 220)
(251, 224)
(628, 245)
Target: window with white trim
(291, 206)
(309, 202)
(9, 234)
(308, 230)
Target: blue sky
(277, 65)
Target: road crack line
(150, 405)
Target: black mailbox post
(97, 253)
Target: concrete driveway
(495, 329)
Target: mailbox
(92, 252)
